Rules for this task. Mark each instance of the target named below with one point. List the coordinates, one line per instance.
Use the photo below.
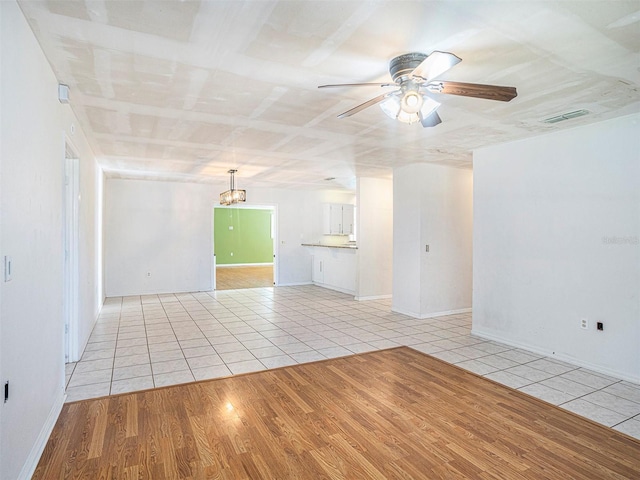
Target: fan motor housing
(403, 65)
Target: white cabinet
(337, 219)
(348, 228)
(317, 273)
(335, 268)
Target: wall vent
(566, 116)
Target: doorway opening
(71, 242)
(244, 247)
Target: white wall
(375, 238)
(166, 229)
(157, 237)
(557, 239)
(432, 205)
(407, 206)
(32, 139)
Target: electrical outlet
(584, 323)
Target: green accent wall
(250, 239)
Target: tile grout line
(146, 334)
(115, 346)
(209, 341)
(330, 316)
(175, 335)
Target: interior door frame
(274, 235)
(71, 243)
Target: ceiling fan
(415, 74)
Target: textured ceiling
(185, 90)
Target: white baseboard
(564, 358)
(294, 284)
(373, 297)
(422, 316)
(31, 463)
(337, 289)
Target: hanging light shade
(232, 195)
(409, 107)
(391, 106)
(411, 102)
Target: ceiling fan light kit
(414, 74)
(411, 102)
(399, 108)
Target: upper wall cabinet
(338, 219)
(348, 224)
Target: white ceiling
(185, 90)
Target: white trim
(31, 463)
(295, 284)
(250, 206)
(373, 297)
(275, 232)
(71, 246)
(337, 289)
(551, 354)
(233, 265)
(213, 269)
(432, 315)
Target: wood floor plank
(239, 277)
(392, 414)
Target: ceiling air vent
(566, 116)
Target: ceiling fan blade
(435, 64)
(364, 105)
(430, 120)
(490, 92)
(358, 85)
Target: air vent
(566, 116)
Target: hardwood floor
(232, 278)
(394, 413)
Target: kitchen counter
(350, 246)
(334, 266)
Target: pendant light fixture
(232, 195)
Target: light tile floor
(155, 340)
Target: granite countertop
(349, 246)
